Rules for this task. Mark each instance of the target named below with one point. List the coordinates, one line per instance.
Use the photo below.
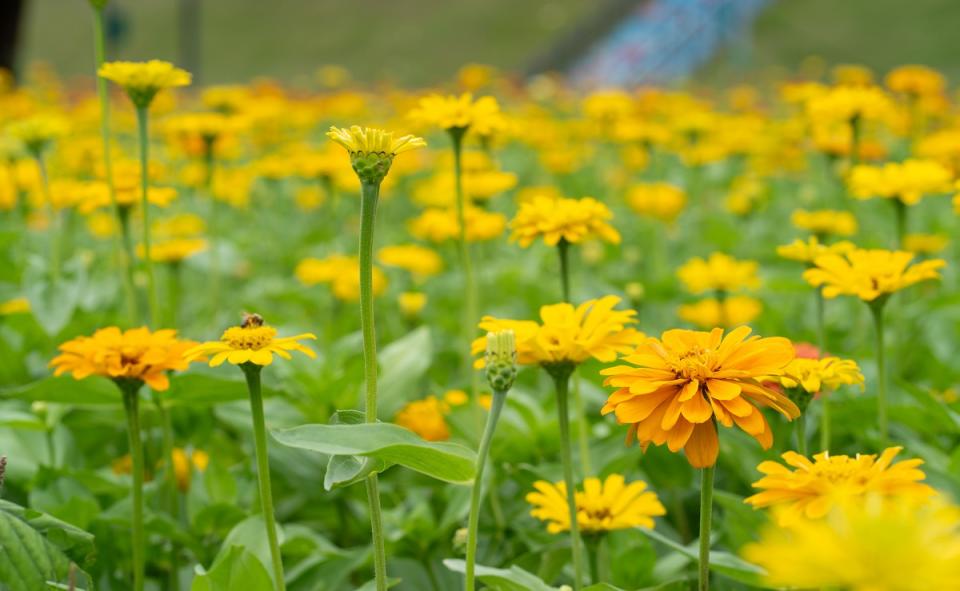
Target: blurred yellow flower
(869, 274)
(908, 181)
(825, 222)
(602, 506)
(420, 261)
(38, 132)
(709, 312)
(19, 305)
(441, 224)
(718, 272)
(425, 418)
(412, 303)
(341, 272)
(173, 250)
(661, 201)
(915, 81)
(459, 113)
(142, 80)
(185, 462)
(852, 75)
(572, 220)
(925, 243)
(807, 250)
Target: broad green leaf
(390, 443)
(18, 419)
(28, 561)
(404, 363)
(91, 390)
(234, 569)
(724, 563)
(502, 579)
(75, 542)
(250, 536)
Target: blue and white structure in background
(663, 40)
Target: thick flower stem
(877, 307)
(562, 381)
(592, 543)
(124, 257)
(470, 288)
(821, 347)
(370, 193)
(252, 373)
(131, 406)
(706, 515)
(143, 134)
(473, 522)
(801, 428)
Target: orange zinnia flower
(676, 388)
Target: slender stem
(900, 213)
(566, 456)
(131, 405)
(592, 544)
(706, 514)
(821, 348)
(173, 291)
(801, 430)
(470, 288)
(213, 228)
(252, 373)
(125, 259)
(170, 482)
(142, 132)
(370, 193)
(563, 248)
(53, 221)
(877, 308)
(854, 158)
(473, 522)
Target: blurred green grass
(413, 42)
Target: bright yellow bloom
(425, 418)
(916, 81)
(852, 75)
(673, 388)
(807, 250)
(420, 261)
(441, 224)
(661, 201)
(719, 272)
(851, 103)
(709, 312)
(134, 354)
(341, 272)
(908, 181)
(459, 113)
(814, 488)
(37, 132)
(252, 342)
(173, 250)
(813, 375)
(185, 462)
(925, 243)
(370, 140)
(869, 274)
(601, 506)
(568, 334)
(825, 221)
(142, 80)
(876, 545)
(456, 397)
(572, 220)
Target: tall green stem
(370, 193)
(131, 406)
(470, 288)
(706, 515)
(170, 482)
(473, 522)
(563, 248)
(801, 429)
(821, 348)
(125, 258)
(143, 134)
(252, 373)
(900, 216)
(877, 307)
(53, 222)
(561, 380)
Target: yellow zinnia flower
(673, 388)
(567, 334)
(143, 80)
(869, 274)
(813, 375)
(661, 201)
(825, 222)
(38, 132)
(134, 354)
(601, 506)
(459, 113)
(876, 545)
(813, 488)
(908, 181)
(807, 250)
(252, 342)
(370, 140)
(572, 220)
(425, 418)
(719, 272)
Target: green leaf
(404, 363)
(724, 563)
(18, 419)
(344, 471)
(389, 443)
(91, 390)
(53, 303)
(75, 542)
(234, 569)
(250, 536)
(28, 561)
(502, 579)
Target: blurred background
(424, 42)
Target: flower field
(499, 334)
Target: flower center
(836, 470)
(695, 364)
(251, 337)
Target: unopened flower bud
(501, 360)
(635, 291)
(460, 539)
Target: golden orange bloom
(869, 274)
(425, 418)
(602, 506)
(673, 388)
(134, 354)
(813, 488)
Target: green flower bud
(371, 167)
(501, 360)
(800, 397)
